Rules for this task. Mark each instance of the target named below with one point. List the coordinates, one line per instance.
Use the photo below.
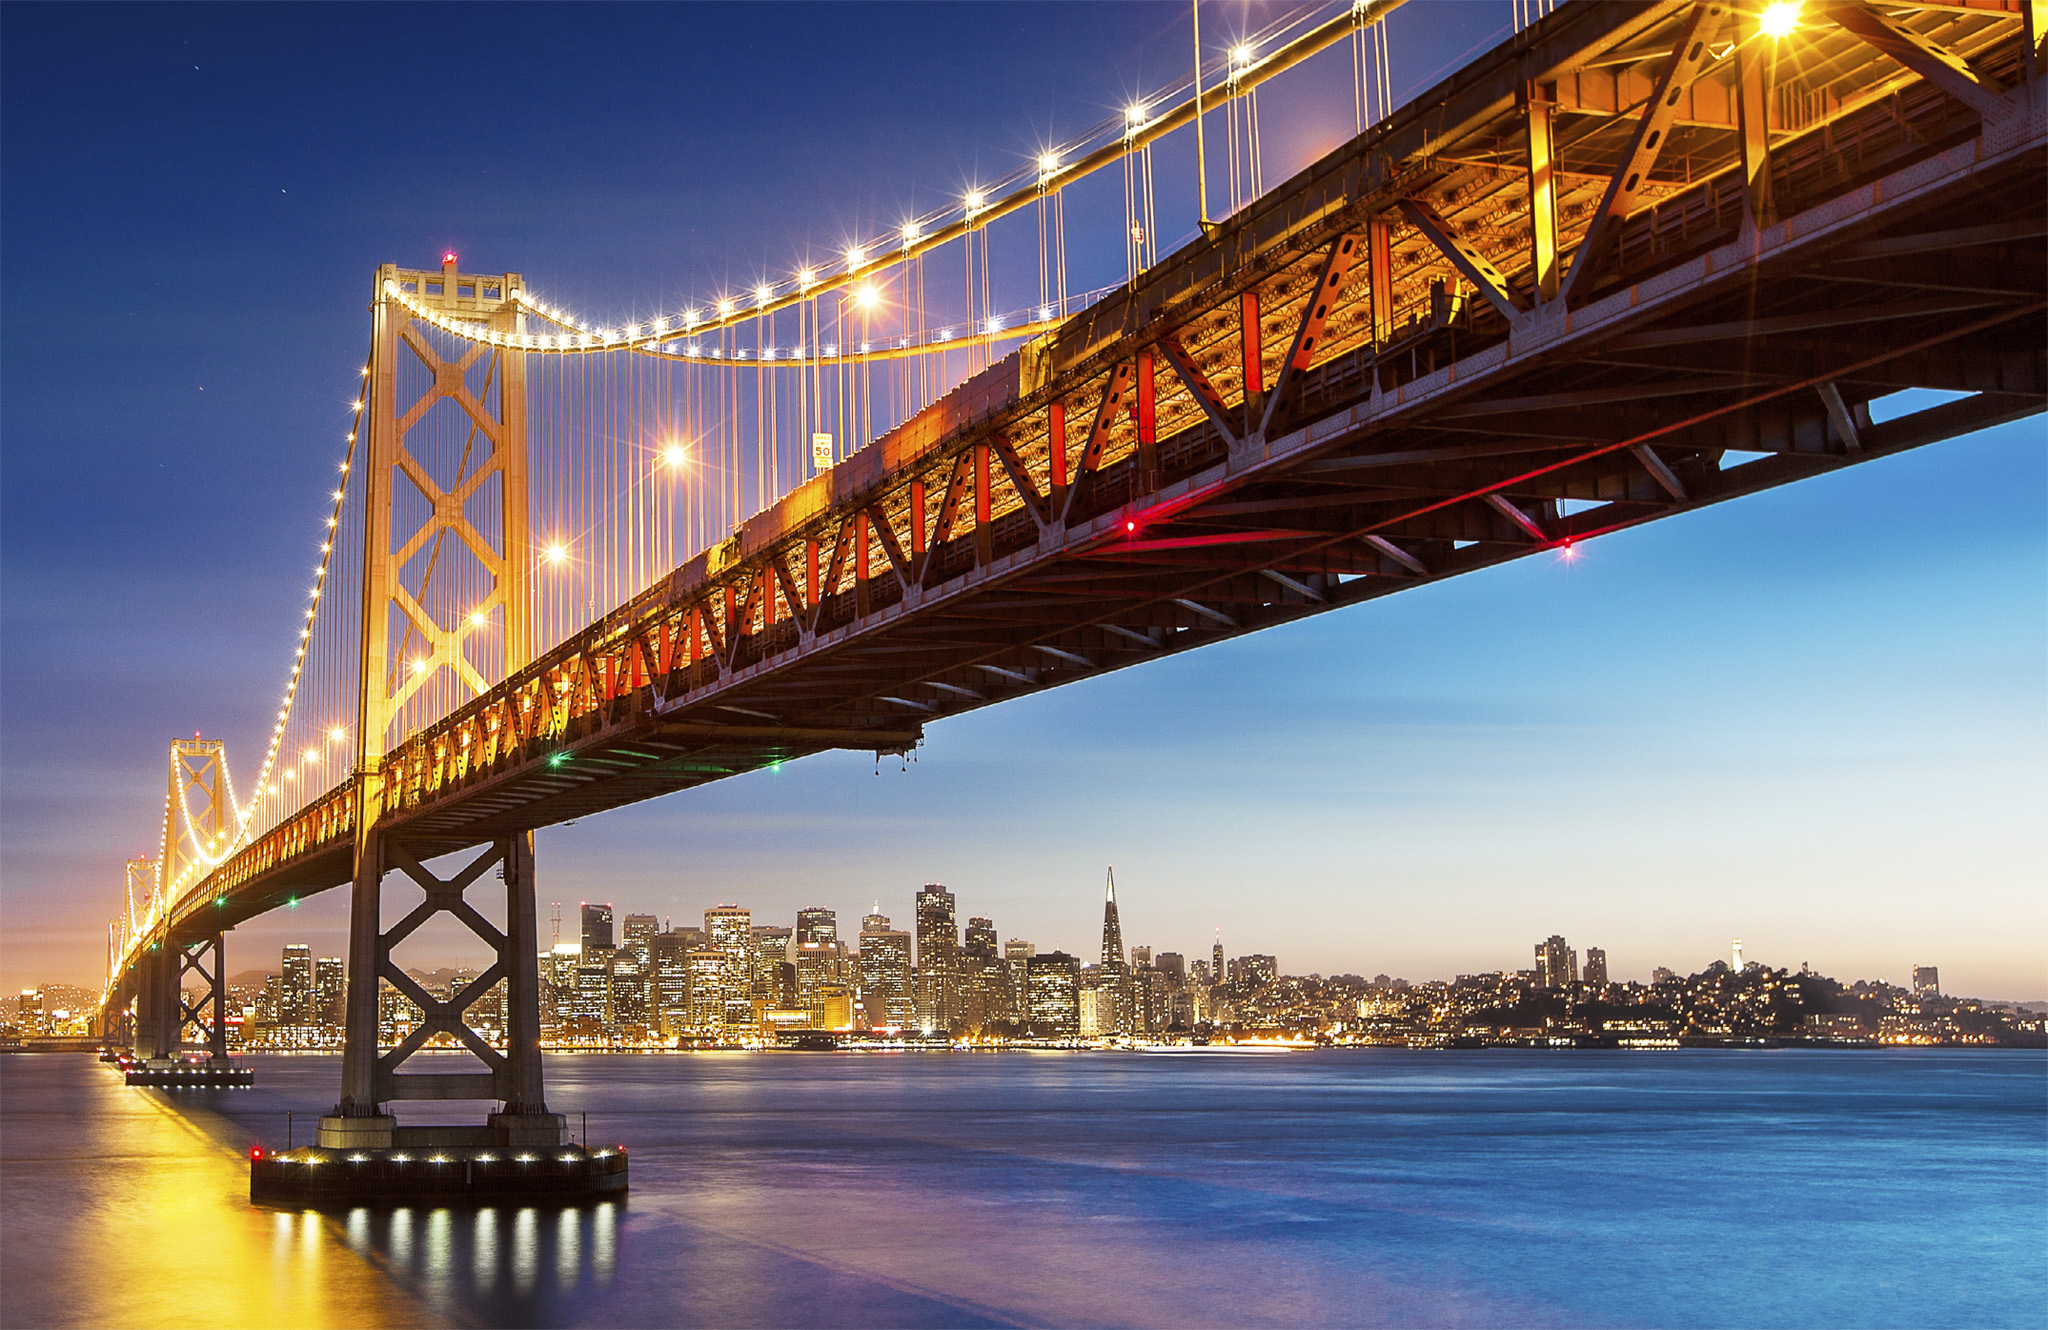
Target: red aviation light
(255, 1152)
(449, 257)
(1129, 526)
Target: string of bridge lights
(209, 855)
(1048, 171)
(1142, 122)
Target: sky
(1814, 718)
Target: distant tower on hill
(1738, 956)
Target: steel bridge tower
(408, 379)
(198, 828)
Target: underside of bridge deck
(1635, 261)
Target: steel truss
(1578, 286)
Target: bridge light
(975, 198)
(1135, 113)
(476, 619)
(556, 759)
(910, 232)
(1240, 56)
(865, 296)
(418, 664)
(855, 256)
(805, 276)
(1048, 162)
(1130, 526)
(673, 454)
(335, 734)
(763, 293)
(1779, 20)
(554, 554)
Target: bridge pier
(370, 1076)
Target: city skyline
(1773, 719)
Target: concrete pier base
(440, 1175)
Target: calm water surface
(1693, 1188)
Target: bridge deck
(1350, 389)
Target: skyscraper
(817, 924)
(774, 981)
(885, 975)
(597, 930)
(731, 931)
(640, 930)
(1557, 965)
(1926, 981)
(1216, 959)
(330, 991)
(296, 991)
(938, 942)
(668, 960)
(1053, 997)
(1112, 927)
(1173, 965)
(1596, 968)
(874, 921)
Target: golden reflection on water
(131, 1207)
(146, 1221)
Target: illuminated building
(1557, 965)
(707, 991)
(640, 930)
(1926, 981)
(591, 999)
(874, 921)
(1248, 974)
(1052, 989)
(816, 968)
(833, 1009)
(731, 933)
(1735, 961)
(668, 963)
(817, 924)
(774, 979)
(330, 991)
(938, 942)
(885, 976)
(1173, 965)
(1216, 959)
(295, 989)
(1141, 958)
(982, 983)
(629, 989)
(1596, 968)
(1112, 928)
(1098, 1009)
(597, 929)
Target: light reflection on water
(460, 1259)
(1307, 1189)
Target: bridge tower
(427, 501)
(198, 829)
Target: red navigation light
(255, 1152)
(449, 257)
(1130, 526)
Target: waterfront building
(596, 935)
(730, 930)
(938, 945)
(1926, 981)
(885, 975)
(1052, 981)
(1596, 968)
(591, 999)
(1557, 965)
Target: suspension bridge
(1636, 259)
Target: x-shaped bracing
(443, 896)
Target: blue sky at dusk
(1816, 718)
